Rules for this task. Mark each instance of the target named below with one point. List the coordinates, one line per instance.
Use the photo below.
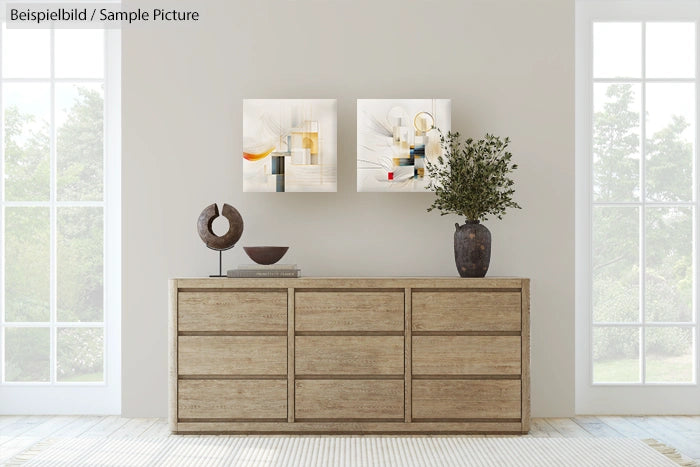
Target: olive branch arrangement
(471, 178)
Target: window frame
(639, 397)
(56, 397)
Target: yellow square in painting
(305, 140)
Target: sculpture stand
(221, 252)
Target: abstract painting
(289, 145)
(394, 139)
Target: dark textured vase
(472, 249)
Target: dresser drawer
(466, 355)
(349, 355)
(455, 399)
(349, 399)
(232, 311)
(232, 355)
(465, 311)
(227, 399)
(349, 311)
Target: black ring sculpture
(226, 241)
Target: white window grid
(53, 204)
(642, 325)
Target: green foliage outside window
(79, 242)
(668, 270)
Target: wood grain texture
(568, 428)
(232, 311)
(349, 311)
(454, 399)
(350, 355)
(106, 426)
(347, 355)
(291, 319)
(525, 354)
(352, 283)
(232, 399)
(13, 443)
(349, 399)
(466, 311)
(480, 355)
(407, 356)
(596, 427)
(172, 354)
(339, 427)
(232, 355)
(134, 428)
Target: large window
(59, 192)
(636, 199)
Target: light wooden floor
(18, 433)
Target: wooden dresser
(350, 355)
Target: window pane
(615, 355)
(27, 354)
(670, 129)
(26, 119)
(616, 147)
(615, 264)
(79, 264)
(669, 355)
(80, 354)
(669, 265)
(27, 268)
(79, 53)
(79, 145)
(26, 53)
(617, 50)
(670, 50)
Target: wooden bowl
(265, 254)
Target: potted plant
(471, 179)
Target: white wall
(507, 65)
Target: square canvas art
(394, 138)
(289, 145)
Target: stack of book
(260, 270)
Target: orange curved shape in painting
(250, 156)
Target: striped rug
(323, 451)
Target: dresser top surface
(354, 282)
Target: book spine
(256, 273)
(267, 267)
